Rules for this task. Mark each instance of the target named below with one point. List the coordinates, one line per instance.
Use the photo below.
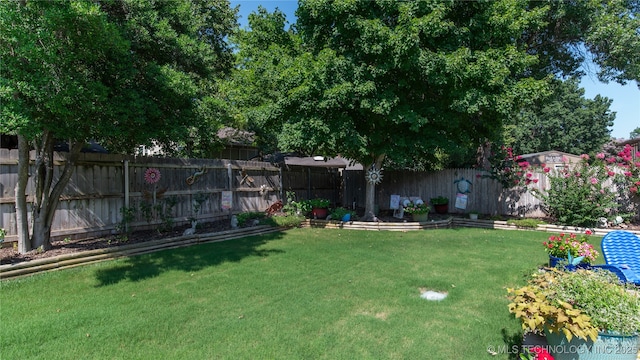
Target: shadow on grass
(513, 342)
(187, 259)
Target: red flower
(541, 354)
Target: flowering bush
(579, 194)
(417, 209)
(536, 353)
(561, 245)
(510, 170)
(628, 168)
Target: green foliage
(635, 133)
(293, 207)
(423, 72)
(121, 72)
(339, 212)
(537, 307)
(287, 221)
(525, 223)
(245, 217)
(569, 245)
(564, 121)
(165, 213)
(319, 203)
(579, 303)
(146, 209)
(3, 233)
(439, 200)
(128, 214)
(417, 209)
(577, 194)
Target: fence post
(126, 183)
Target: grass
(301, 294)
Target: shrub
(577, 195)
(339, 212)
(525, 223)
(244, 217)
(284, 221)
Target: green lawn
(300, 294)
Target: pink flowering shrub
(602, 186)
(579, 194)
(510, 170)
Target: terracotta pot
(441, 209)
(319, 213)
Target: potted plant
(419, 212)
(473, 215)
(583, 313)
(319, 208)
(440, 204)
(561, 248)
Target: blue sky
(626, 99)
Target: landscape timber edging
(380, 226)
(66, 261)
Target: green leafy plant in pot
(440, 204)
(419, 212)
(319, 208)
(581, 312)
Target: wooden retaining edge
(93, 256)
(489, 224)
(377, 226)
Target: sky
(626, 99)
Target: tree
(401, 83)
(565, 121)
(572, 31)
(265, 56)
(81, 70)
(635, 133)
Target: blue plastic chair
(621, 251)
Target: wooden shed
(553, 159)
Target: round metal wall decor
(374, 176)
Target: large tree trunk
(47, 193)
(370, 192)
(22, 221)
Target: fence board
(93, 199)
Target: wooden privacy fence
(486, 195)
(103, 185)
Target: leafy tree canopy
(565, 121)
(122, 72)
(412, 81)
